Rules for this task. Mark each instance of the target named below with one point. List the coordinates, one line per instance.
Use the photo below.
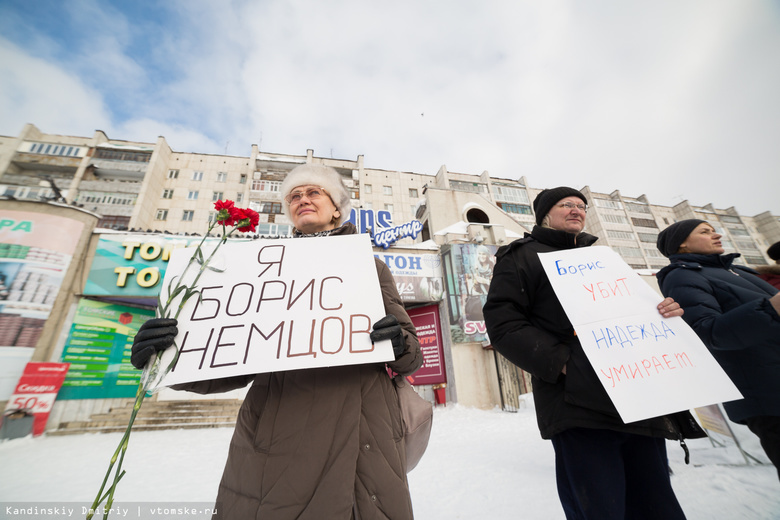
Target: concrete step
(158, 415)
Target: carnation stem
(149, 375)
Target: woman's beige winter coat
(321, 443)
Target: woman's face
(703, 240)
(312, 209)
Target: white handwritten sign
(649, 365)
(279, 305)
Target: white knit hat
(318, 175)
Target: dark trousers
(607, 475)
(767, 427)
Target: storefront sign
(380, 225)
(417, 277)
(426, 321)
(36, 391)
(649, 365)
(98, 350)
(130, 265)
(279, 305)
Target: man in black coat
(605, 469)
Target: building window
(197, 176)
(608, 203)
(648, 237)
(730, 218)
(366, 188)
(267, 186)
(629, 251)
(239, 197)
(270, 207)
(221, 176)
(520, 209)
(653, 252)
(473, 187)
(739, 232)
(173, 174)
(413, 193)
(620, 235)
(121, 155)
(637, 208)
(192, 195)
(162, 214)
(218, 195)
(389, 207)
(510, 194)
(242, 179)
(167, 194)
(387, 190)
(187, 215)
(614, 219)
(755, 260)
(644, 222)
(368, 205)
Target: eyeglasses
(311, 193)
(570, 206)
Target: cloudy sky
(675, 99)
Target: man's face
(570, 220)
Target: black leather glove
(388, 328)
(154, 335)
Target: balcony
(107, 169)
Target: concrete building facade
(149, 190)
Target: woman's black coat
(728, 307)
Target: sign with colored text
(426, 321)
(648, 364)
(98, 350)
(278, 305)
(36, 391)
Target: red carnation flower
(249, 222)
(224, 210)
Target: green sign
(130, 265)
(98, 350)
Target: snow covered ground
(479, 465)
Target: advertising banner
(426, 321)
(35, 252)
(418, 277)
(648, 364)
(98, 350)
(278, 305)
(471, 270)
(36, 391)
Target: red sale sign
(36, 391)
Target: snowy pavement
(480, 464)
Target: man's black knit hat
(544, 202)
(669, 239)
(774, 251)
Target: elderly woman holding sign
(605, 468)
(736, 314)
(315, 443)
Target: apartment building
(118, 190)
